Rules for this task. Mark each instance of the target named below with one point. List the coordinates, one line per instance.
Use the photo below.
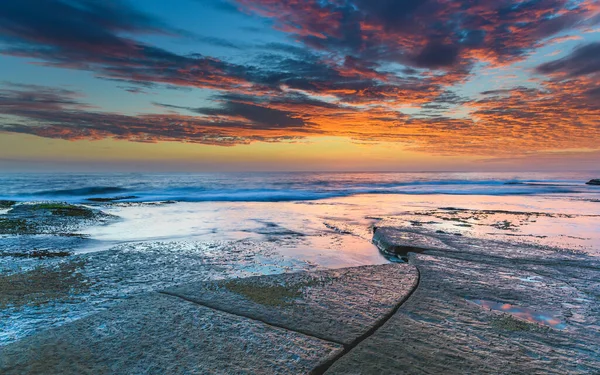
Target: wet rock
(159, 334)
(394, 243)
(14, 226)
(6, 204)
(42, 285)
(24, 244)
(504, 225)
(63, 209)
(50, 218)
(439, 330)
(335, 305)
(129, 270)
(510, 323)
(40, 254)
(593, 182)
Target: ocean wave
(281, 188)
(285, 195)
(93, 190)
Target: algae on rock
(42, 285)
(270, 294)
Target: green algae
(39, 254)
(64, 209)
(268, 295)
(6, 204)
(14, 226)
(52, 206)
(275, 295)
(507, 322)
(42, 285)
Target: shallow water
(546, 318)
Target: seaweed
(39, 254)
(508, 323)
(504, 225)
(275, 295)
(64, 209)
(42, 285)
(6, 204)
(14, 226)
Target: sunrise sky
(299, 85)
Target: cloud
(594, 93)
(516, 121)
(22, 98)
(582, 61)
(58, 113)
(426, 33)
(372, 71)
(96, 36)
(265, 117)
(436, 55)
(87, 35)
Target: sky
(224, 85)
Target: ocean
(276, 187)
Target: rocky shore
(286, 324)
(447, 303)
(486, 307)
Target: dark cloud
(56, 113)
(426, 33)
(55, 21)
(263, 117)
(437, 55)
(392, 14)
(594, 93)
(583, 60)
(291, 99)
(19, 98)
(90, 35)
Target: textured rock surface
(396, 243)
(440, 330)
(335, 305)
(159, 334)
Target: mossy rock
(507, 322)
(269, 294)
(14, 226)
(38, 254)
(42, 285)
(504, 225)
(65, 209)
(6, 204)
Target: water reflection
(545, 318)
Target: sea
(280, 187)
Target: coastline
(496, 265)
(479, 306)
(98, 255)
